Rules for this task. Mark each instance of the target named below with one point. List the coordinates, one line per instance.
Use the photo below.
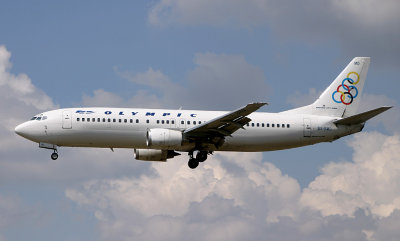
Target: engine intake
(164, 138)
(154, 155)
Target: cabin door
(66, 120)
(307, 127)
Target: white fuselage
(127, 128)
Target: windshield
(39, 118)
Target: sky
(211, 55)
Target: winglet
(362, 117)
(251, 107)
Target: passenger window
(167, 121)
(283, 125)
(258, 124)
(267, 124)
(158, 121)
(272, 125)
(247, 124)
(77, 119)
(98, 119)
(93, 119)
(119, 120)
(277, 125)
(262, 124)
(83, 119)
(182, 122)
(109, 120)
(131, 121)
(162, 122)
(104, 119)
(147, 121)
(252, 124)
(125, 120)
(137, 120)
(288, 125)
(172, 122)
(114, 120)
(199, 122)
(194, 122)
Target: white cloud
(369, 183)
(210, 196)
(298, 99)
(359, 27)
(19, 100)
(214, 75)
(390, 119)
(19, 87)
(152, 78)
(102, 98)
(261, 12)
(230, 76)
(220, 12)
(236, 196)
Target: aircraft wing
(222, 126)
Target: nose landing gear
(201, 156)
(53, 147)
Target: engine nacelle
(154, 155)
(164, 138)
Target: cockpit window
(39, 118)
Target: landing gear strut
(201, 156)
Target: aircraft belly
(264, 142)
(103, 138)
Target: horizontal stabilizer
(362, 117)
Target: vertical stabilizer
(343, 96)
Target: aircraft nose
(19, 129)
(22, 130)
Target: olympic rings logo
(347, 92)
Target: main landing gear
(200, 157)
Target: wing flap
(362, 117)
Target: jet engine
(154, 155)
(164, 138)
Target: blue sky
(216, 55)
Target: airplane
(159, 134)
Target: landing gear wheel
(201, 156)
(193, 163)
(54, 156)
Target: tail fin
(343, 96)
